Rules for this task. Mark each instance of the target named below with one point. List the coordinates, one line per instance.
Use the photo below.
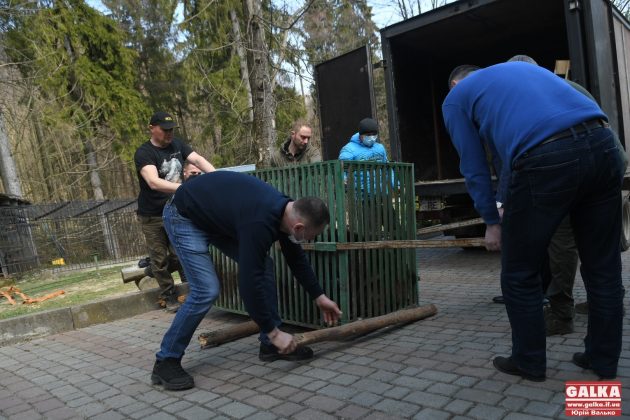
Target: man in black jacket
(242, 216)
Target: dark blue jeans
(580, 175)
(192, 247)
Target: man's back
(226, 202)
(515, 105)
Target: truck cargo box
(419, 54)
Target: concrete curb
(41, 324)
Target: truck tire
(625, 221)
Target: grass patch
(80, 286)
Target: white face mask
(369, 141)
(295, 240)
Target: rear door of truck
(345, 96)
(601, 61)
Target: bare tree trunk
(242, 55)
(90, 154)
(259, 78)
(8, 171)
(95, 179)
(43, 155)
(217, 131)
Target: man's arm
(300, 266)
(473, 164)
(200, 162)
(150, 175)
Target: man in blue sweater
(242, 216)
(561, 158)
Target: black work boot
(269, 353)
(170, 303)
(583, 361)
(171, 375)
(554, 325)
(507, 365)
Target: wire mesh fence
(70, 235)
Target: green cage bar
(368, 201)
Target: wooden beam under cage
(395, 244)
(449, 226)
(363, 326)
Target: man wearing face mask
(242, 216)
(364, 144)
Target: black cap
(368, 125)
(163, 119)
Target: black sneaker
(269, 353)
(506, 365)
(583, 361)
(171, 375)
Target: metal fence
(70, 235)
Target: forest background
(78, 85)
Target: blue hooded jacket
(355, 150)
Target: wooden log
(234, 332)
(130, 274)
(225, 335)
(365, 326)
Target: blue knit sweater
(514, 106)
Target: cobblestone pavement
(436, 368)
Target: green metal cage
(368, 202)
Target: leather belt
(577, 129)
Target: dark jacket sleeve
(254, 241)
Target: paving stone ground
(437, 368)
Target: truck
(587, 41)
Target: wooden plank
(401, 244)
(454, 225)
